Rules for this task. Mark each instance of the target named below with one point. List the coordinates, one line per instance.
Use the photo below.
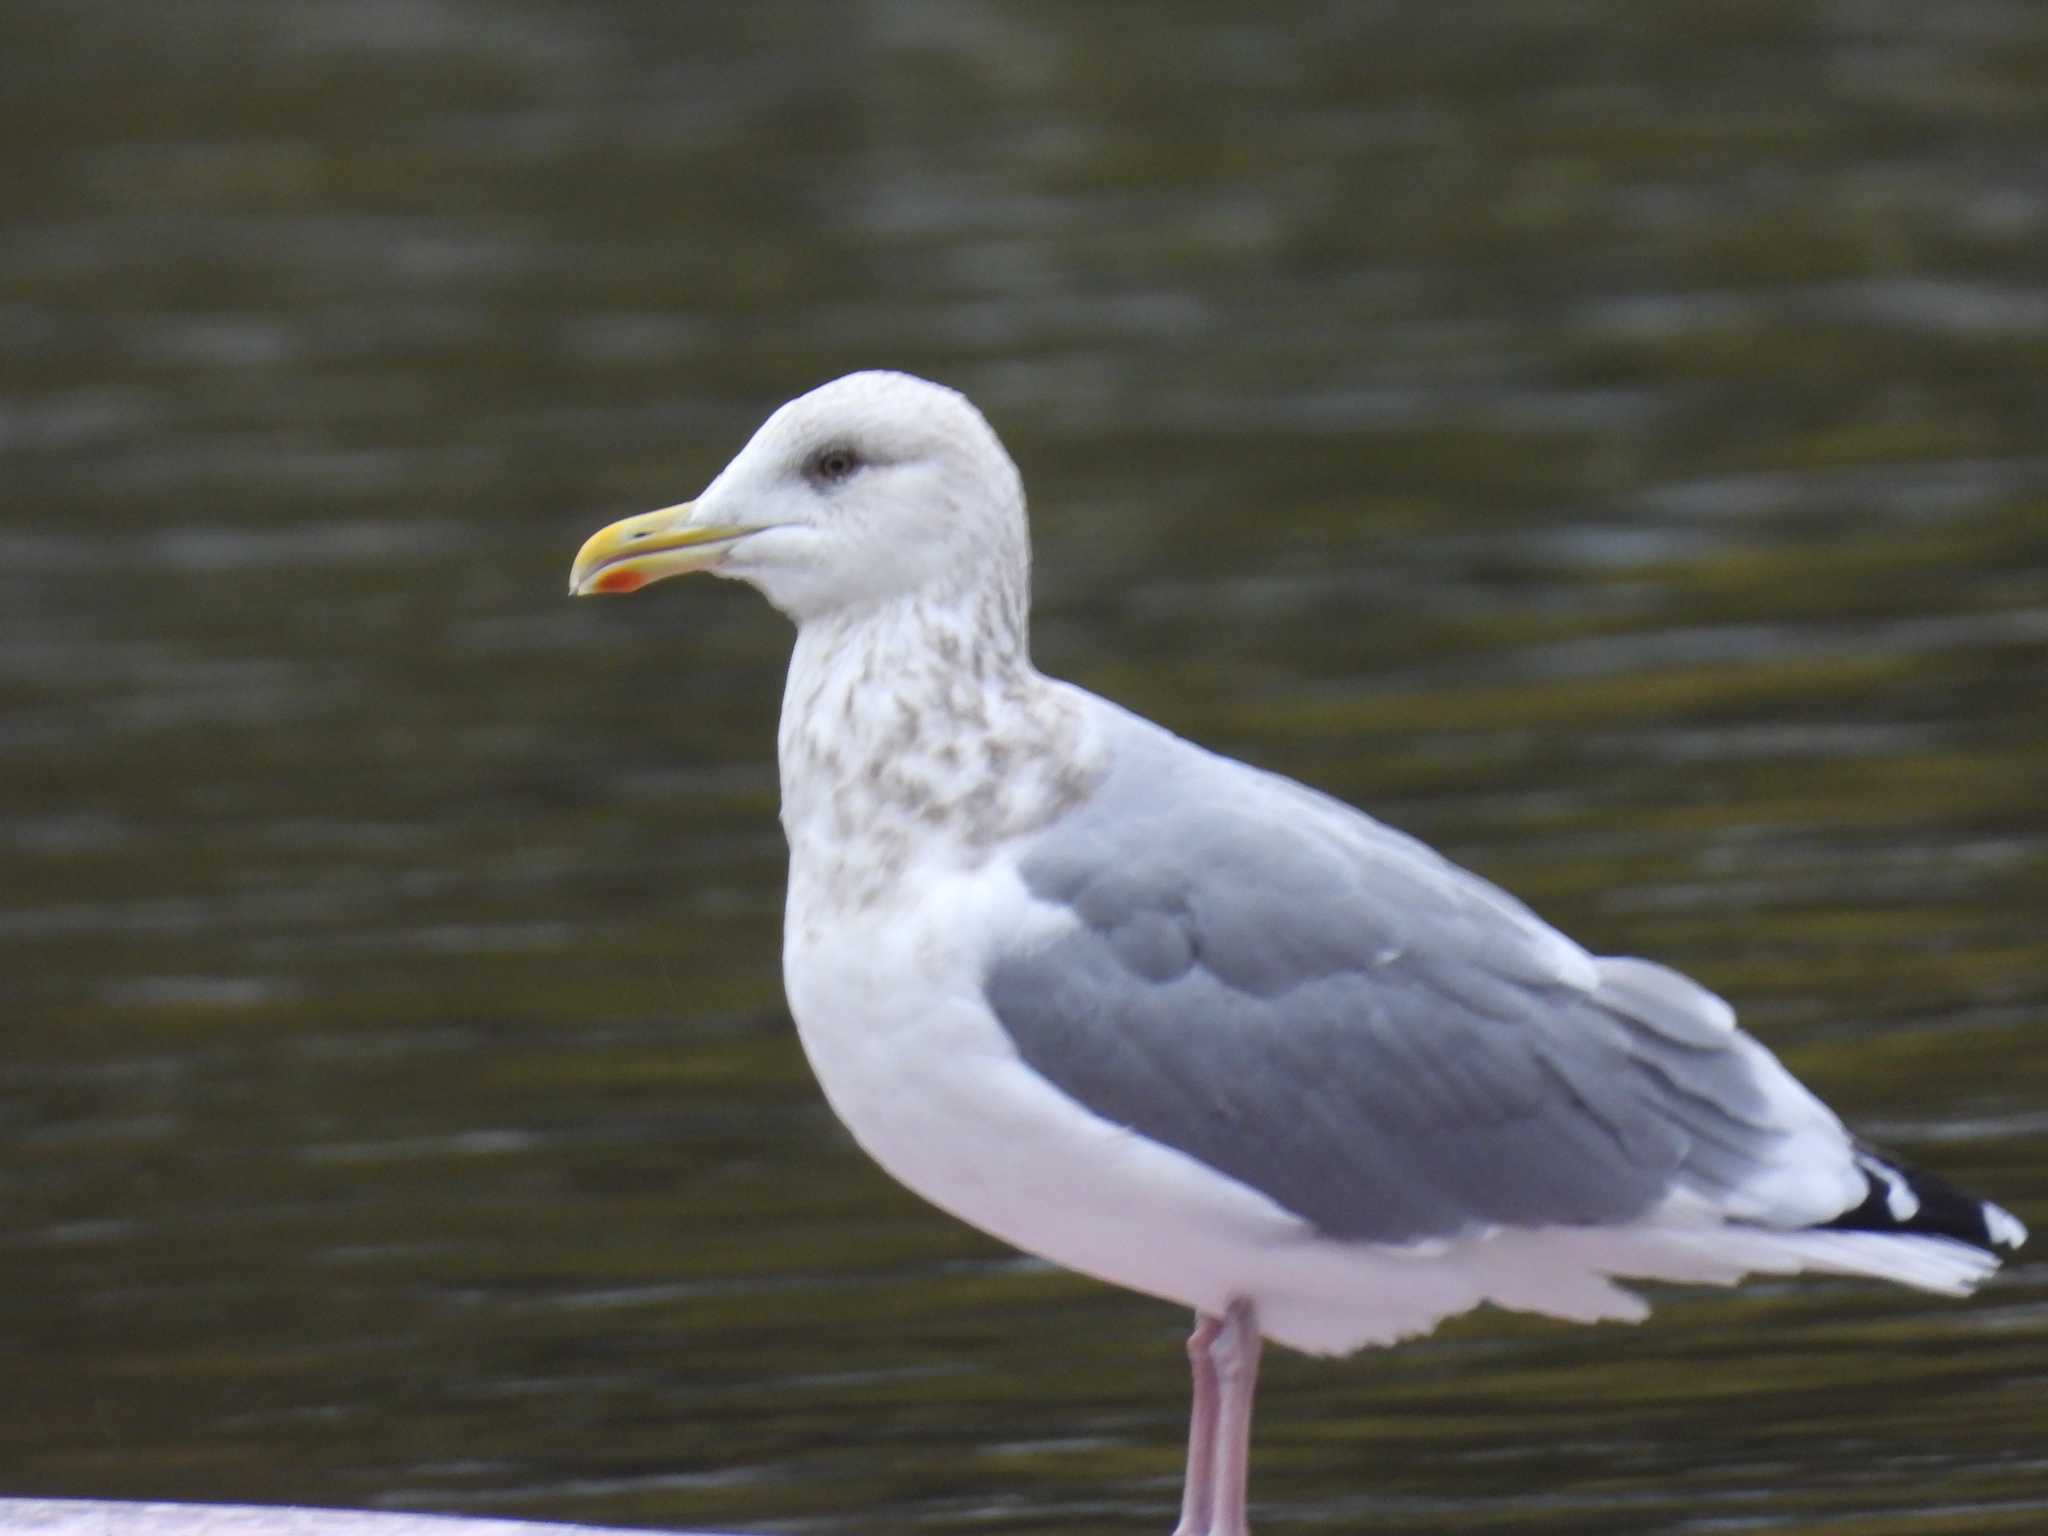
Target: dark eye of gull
(829, 466)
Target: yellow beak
(635, 551)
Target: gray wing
(1323, 1009)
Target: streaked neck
(918, 728)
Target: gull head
(873, 487)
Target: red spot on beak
(620, 580)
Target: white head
(872, 487)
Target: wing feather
(1324, 1009)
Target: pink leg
(1196, 1493)
(1236, 1355)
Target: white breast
(889, 1007)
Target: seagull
(1191, 1027)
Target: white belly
(888, 1003)
(889, 1008)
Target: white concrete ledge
(104, 1517)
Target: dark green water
(1608, 439)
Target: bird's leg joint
(1233, 1347)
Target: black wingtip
(1903, 1199)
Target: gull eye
(829, 466)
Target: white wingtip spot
(2002, 1227)
(1899, 1198)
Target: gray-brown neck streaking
(919, 723)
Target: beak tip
(636, 551)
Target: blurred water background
(1608, 439)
